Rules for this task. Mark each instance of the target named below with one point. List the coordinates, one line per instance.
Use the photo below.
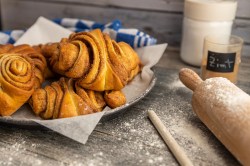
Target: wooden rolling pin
(224, 109)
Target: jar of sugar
(203, 18)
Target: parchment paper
(79, 128)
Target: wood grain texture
(149, 5)
(169, 28)
(129, 139)
(165, 26)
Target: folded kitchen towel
(134, 37)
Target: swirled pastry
(68, 59)
(16, 82)
(37, 58)
(94, 99)
(48, 73)
(97, 62)
(94, 69)
(59, 100)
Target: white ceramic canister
(203, 18)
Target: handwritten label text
(220, 62)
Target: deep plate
(108, 115)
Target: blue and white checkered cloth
(134, 37)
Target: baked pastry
(114, 98)
(94, 99)
(94, 69)
(48, 73)
(59, 100)
(64, 98)
(37, 58)
(16, 82)
(5, 48)
(97, 62)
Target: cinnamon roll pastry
(48, 73)
(59, 100)
(37, 58)
(97, 62)
(16, 82)
(5, 48)
(94, 99)
(129, 58)
(68, 59)
(114, 98)
(111, 67)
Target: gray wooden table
(129, 139)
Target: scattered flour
(176, 84)
(193, 134)
(18, 150)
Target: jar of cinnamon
(221, 57)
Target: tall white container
(203, 18)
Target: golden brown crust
(47, 71)
(5, 48)
(16, 82)
(59, 100)
(97, 62)
(93, 98)
(114, 98)
(37, 58)
(94, 69)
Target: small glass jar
(221, 57)
(202, 18)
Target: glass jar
(221, 57)
(203, 18)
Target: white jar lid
(210, 10)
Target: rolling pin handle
(189, 78)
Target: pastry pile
(88, 68)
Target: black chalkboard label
(220, 62)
